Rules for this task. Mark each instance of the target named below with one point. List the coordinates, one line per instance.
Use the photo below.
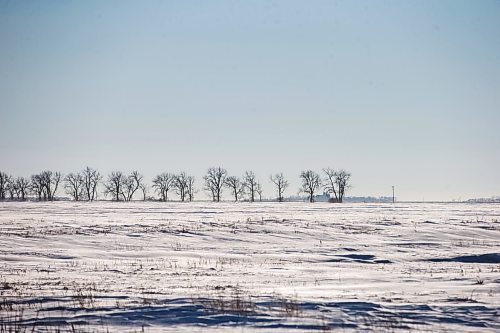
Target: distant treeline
(117, 186)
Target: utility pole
(393, 194)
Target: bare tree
(37, 186)
(144, 189)
(180, 185)
(131, 185)
(45, 181)
(281, 184)
(74, 185)
(214, 181)
(49, 182)
(258, 189)
(236, 186)
(190, 188)
(10, 187)
(56, 178)
(3, 184)
(250, 183)
(91, 179)
(23, 185)
(162, 184)
(337, 182)
(311, 181)
(14, 189)
(342, 179)
(114, 185)
(330, 185)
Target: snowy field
(266, 267)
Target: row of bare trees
(217, 179)
(118, 186)
(180, 183)
(43, 185)
(334, 182)
(83, 185)
(122, 187)
(13, 188)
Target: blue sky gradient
(402, 93)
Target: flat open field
(292, 267)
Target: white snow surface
(264, 267)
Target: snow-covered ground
(269, 267)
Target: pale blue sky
(402, 93)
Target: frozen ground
(270, 267)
